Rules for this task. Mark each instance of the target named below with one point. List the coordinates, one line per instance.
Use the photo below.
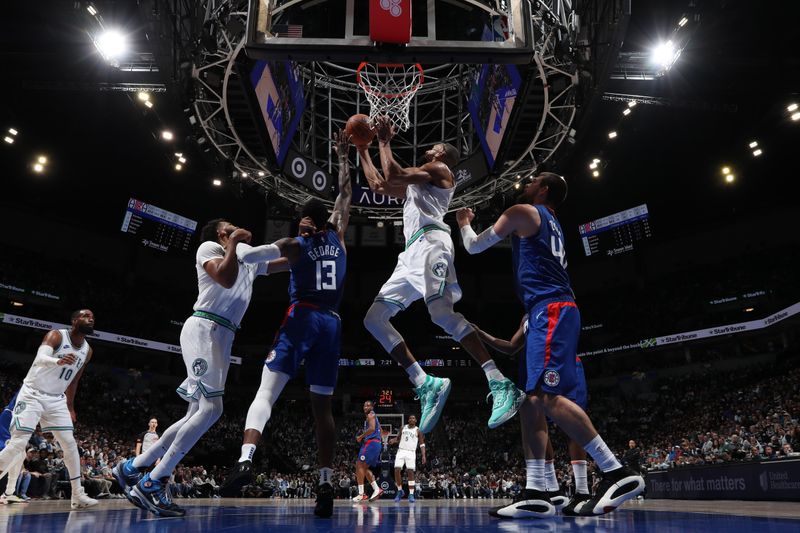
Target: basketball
(359, 130)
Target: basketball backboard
(442, 31)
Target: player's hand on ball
(384, 128)
(341, 143)
(240, 235)
(464, 216)
(68, 359)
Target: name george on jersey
(326, 250)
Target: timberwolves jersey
(56, 379)
(375, 434)
(409, 438)
(318, 275)
(540, 263)
(426, 204)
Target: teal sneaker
(432, 395)
(506, 400)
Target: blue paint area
(385, 517)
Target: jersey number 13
(326, 275)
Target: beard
(86, 329)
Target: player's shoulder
(208, 250)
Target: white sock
(325, 474)
(374, 485)
(247, 452)
(416, 374)
(581, 481)
(602, 455)
(360, 490)
(550, 481)
(534, 471)
(411, 485)
(491, 371)
(75, 483)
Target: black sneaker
(324, 504)
(240, 475)
(557, 498)
(617, 487)
(574, 506)
(153, 495)
(527, 504)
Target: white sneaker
(82, 501)
(13, 498)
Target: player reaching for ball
(425, 270)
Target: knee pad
(377, 322)
(453, 323)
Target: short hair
(556, 188)
(77, 313)
(316, 211)
(451, 155)
(370, 401)
(209, 231)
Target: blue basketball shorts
(370, 452)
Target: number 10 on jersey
(326, 275)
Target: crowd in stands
(704, 418)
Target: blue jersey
(375, 434)
(318, 275)
(5, 421)
(540, 263)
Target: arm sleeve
(44, 357)
(209, 250)
(258, 254)
(476, 244)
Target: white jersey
(212, 297)
(426, 204)
(409, 438)
(54, 379)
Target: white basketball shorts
(206, 348)
(34, 407)
(405, 458)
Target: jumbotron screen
(617, 233)
(158, 228)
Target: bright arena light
(592, 165)
(9, 140)
(632, 104)
(217, 182)
(729, 178)
(683, 22)
(757, 152)
(42, 160)
(13, 132)
(149, 104)
(627, 111)
(665, 55)
(167, 135)
(111, 44)
(596, 173)
(726, 171)
(792, 107)
(612, 134)
(595, 160)
(182, 159)
(261, 174)
(144, 96)
(38, 167)
(753, 144)
(178, 166)
(796, 116)
(92, 11)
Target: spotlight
(632, 104)
(596, 173)
(612, 134)
(729, 178)
(627, 112)
(665, 55)
(92, 11)
(593, 165)
(167, 135)
(38, 167)
(380, 223)
(181, 159)
(178, 154)
(16, 303)
(9, 140)
(13, 132)
(42, 160)
(792, 107)
(178, 166)
(757, 152)
(261, 174)
(217, 182)
(796, 116)
(148, 104)
(726, 171)
(245, 174)
(143, 96)
(682, 22)
(753, 144)
(111, 44)
(595, 160)
(748, 310)
(516, 185)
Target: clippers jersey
(425, 204)
(375, 434)
(540, 263)
(409, 438)
(317, 277)
(55, 379)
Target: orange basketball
(359, 130)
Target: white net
(389, 89)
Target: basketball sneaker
(82, 501)
(127, 476)
(432, 396)
(573, 508)
(527, 504)
(616, 487)
(399, 495)
(506, 400)
(411, 498)
(558, 498)
(323, 507)
(154, 495)
(239, 476)
(360, 498)
(11, 498)
(375, 495)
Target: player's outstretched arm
(522, 219)
(378, 183)
(73, 387)
(435, 171)
(507, 347)
(341, 207)
(225, 270)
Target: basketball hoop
(389, 88)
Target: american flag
(287, 30)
